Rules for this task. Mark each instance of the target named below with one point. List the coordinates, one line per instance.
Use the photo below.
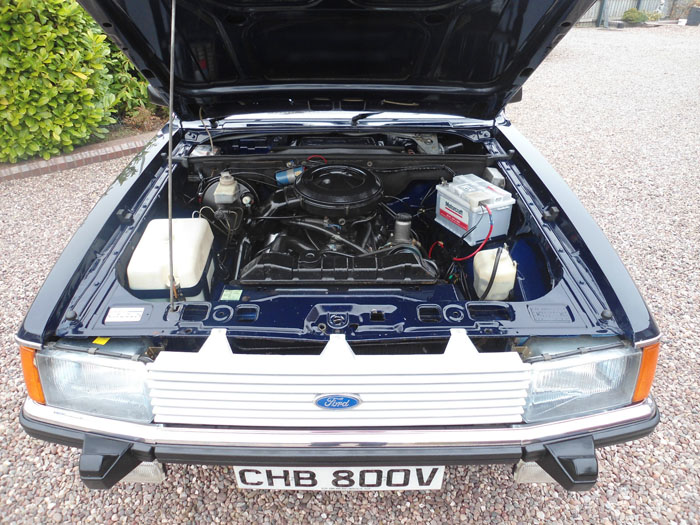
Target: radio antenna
(171, 89)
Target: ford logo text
(337, 402)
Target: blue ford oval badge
(336, 402)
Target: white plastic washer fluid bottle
(503, 282)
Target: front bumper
(565, 449)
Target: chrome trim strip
(337, 438)
(647, 342)
(22, 342)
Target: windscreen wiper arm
(354, 120)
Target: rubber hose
(493, 274)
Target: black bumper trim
(570, 459)
(105, 461)
(572, 463)
(328, 457)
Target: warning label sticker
(231, 295)
(124, 315)
(456, 220)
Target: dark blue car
(356, 272)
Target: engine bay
(342, 211)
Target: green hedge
(127, 85)
(60, 79)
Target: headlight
(99, 385)
(579, 385)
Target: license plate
(340, 478)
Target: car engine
(326, 224)
(339, 211)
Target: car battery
(461, 208)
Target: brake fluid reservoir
(503, 281)
(226, 190)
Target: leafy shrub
(146, 118)
(54, 86)
(634, 16)
(130, 90)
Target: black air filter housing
(338, 191)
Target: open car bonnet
(465, 58)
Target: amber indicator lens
(650, 356)
(31, 374)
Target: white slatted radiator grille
(217, 387)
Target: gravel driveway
(618, 114)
